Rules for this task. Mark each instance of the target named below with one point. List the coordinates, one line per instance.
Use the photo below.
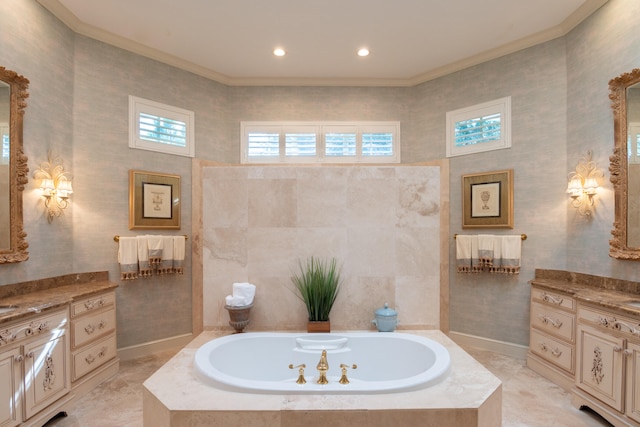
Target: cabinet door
(600, 366)
(633, 381)
(10, 388)
(47, 374)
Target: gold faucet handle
(300, 369)
(343, 378)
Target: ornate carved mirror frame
(18, 170)
(619, 166)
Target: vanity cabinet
(34, 367)
(552, 336)
(608, 361)
(93, 336)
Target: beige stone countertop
(40, 301)
(606, 298)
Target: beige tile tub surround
(387, 224)
(469, 396)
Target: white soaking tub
(260, 362)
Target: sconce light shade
(583, 185)
(56, 187)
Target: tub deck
(469, 396)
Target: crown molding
(79, 27)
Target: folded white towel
(128, 258)
(144, 268)
(243, 294)
(155, 249)
(179, 243)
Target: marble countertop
(42, 300)
(609, 297)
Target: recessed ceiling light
(363, 52)
(279, 51)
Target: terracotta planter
(319, 326)
(238, 316)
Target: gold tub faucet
(323, 367)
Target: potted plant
(318, 283)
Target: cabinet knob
(30, 355)
(19, 358)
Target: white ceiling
(411, 41)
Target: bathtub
(259, 362)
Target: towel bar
(522, 236)
(116, 238)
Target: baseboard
(149, 348)
(516, 351)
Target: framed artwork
(487, 200)
(154, 200)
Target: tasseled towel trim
(490, 253)
(145, 256)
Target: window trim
(140, 105)
(321, 128)
(501, 106)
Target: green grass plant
(318, 283)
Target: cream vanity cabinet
(93, 337)
(34, 367)
(552, 336)
(608, 364)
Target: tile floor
(528, 399)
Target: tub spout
(323, 367)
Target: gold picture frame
(487, 200)
(154, 200)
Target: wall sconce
(56, 188)
(583, 184)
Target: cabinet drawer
(95, 302)
(92, 326)
(553, 350)
(553, 299)
(93, 357)
(627, 327)
(555, 322)
(44, 325)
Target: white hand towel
(155, 249)
(464, 248)
(485, 250)
(166, 265)
(179, 243)
(496, 266)
(144, 268)
(511, 254)
(128, 258)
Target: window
(479, 128)
(328, 142)
(160, 127)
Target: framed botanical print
(154, 200)
(487, 200)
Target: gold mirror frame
(619, 166)
(18, 169)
